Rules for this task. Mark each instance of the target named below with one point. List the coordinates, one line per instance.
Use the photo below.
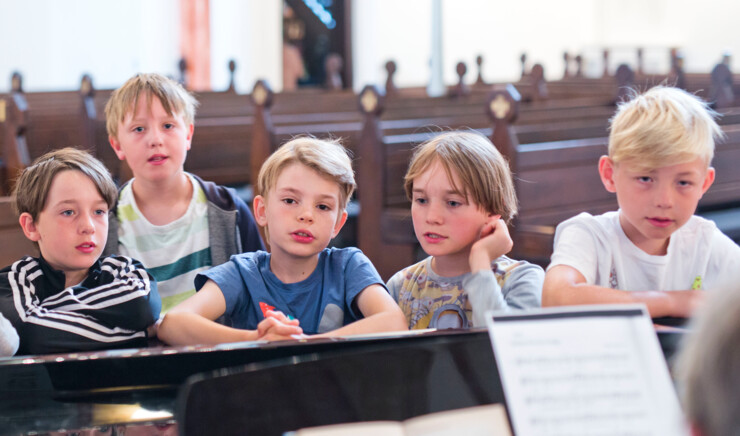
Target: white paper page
(600, 375)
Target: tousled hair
(484, 173)
(327, 157)
(174, 98)
(32, 187)
(661, 127)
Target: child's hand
(280, 316)
(277, 327)
(494, 242)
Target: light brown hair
(32, 187)
(482, 170)
(174, 98)
(327, 157)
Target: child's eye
(645, 179)
(324, 207)
(288, 201)
(420, 200)
(168, 126)
(138, 129)
(101, 212)
(685, 183)
(67, 212)
(453, 203)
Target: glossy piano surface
(255, 388)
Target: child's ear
(708, 180)
(29, 227)
(116, 146)
(606, 171)
(259, 210)
(191, 129)
(340, 223)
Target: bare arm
(381, 314)
(192, 322)
(565, 286)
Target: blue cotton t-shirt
(322, 302)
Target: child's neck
(291, 269)
(451, 265)
(163, 202)
(73, 278)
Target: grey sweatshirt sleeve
(522, 290)
(9, 340)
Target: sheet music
(585, 375)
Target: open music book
(489, 420)
(584, 370)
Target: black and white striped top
(111, 308)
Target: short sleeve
(228, 278)
(575, 246)
(359, 273)
(395, 284)
(724, 263)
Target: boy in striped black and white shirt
(70, 298)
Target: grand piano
(252, 388)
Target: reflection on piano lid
(43, 393)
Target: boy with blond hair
(174, 222)
(301, 286)
(462, 196)
(653, 249)
(70, 298)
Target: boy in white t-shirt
(653, 249)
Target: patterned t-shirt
(424, 296)
(173, 253)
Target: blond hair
(482, 170)
(327, 157)
(707, 366)
(33, 185)
(174, 98)
(663, 126)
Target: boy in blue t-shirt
(300, 286)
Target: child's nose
(434, 214)
(87, 224)
(306, 215)
(155, 137)
(664, 197)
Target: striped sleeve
(114, 312)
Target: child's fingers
(274, 327)
(282, 317)
(488, 229)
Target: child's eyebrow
(74, 202)
(448, 192)
(295, 191)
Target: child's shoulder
(411, 272)
(606, 223)
(222, 196)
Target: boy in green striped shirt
(175, 223)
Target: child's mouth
(303, 236)
(87, 247)
(660, 222)
(434, 237)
